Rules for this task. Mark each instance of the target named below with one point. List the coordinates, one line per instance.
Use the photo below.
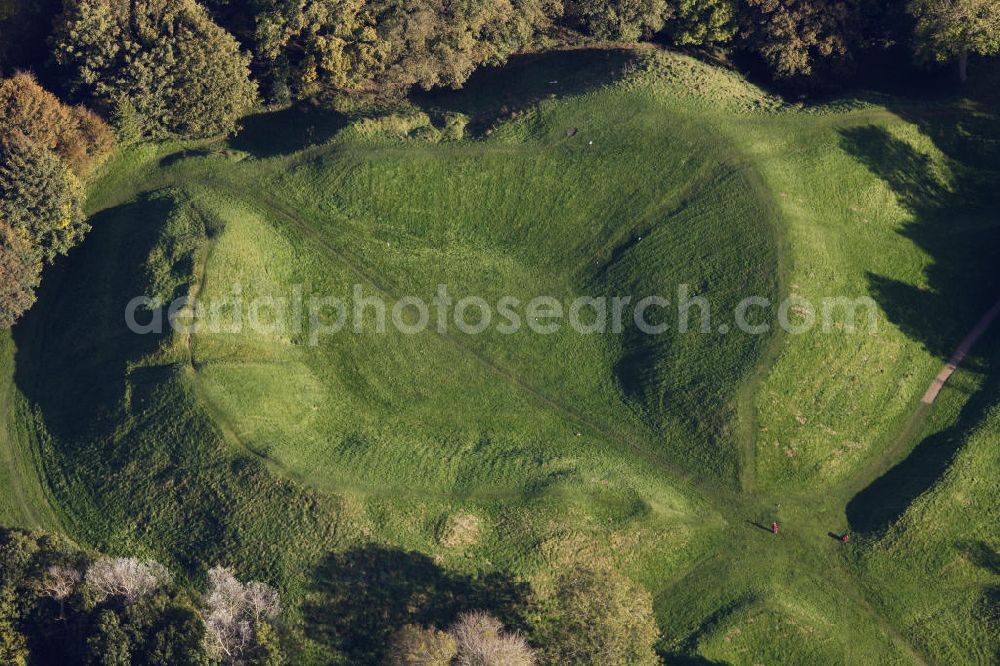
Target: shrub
(481, 641)
(40, 197)
(597, 616)
(420, 646)
(75, 134)
(182, 73)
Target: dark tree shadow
(74, 347)
(954, 220)
(275, 133)
(879, 505)
(679, 659)
(492, 93)
(360, 597)
(955, 224)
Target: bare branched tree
(233, 611)
(125, 577)
(481, 641)
(262, 602)
(60, 583)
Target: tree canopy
(619, 20)
(797, 37)
(20, 270)
(949, 30)
(75, 134)
(40, 197)
(181, 73)
(597, 616)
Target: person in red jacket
(845, 538)
(774, 527)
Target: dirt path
(963, 349)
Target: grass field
(478, 462)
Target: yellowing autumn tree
(75, 134)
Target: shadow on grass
(885, 500)
(954, 221)
(492, 93)
(74, 347)
(275, 133)
(360, 597)
(689, 660)
(983, 556)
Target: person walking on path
(774, 527)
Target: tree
(266, 650)
(481, 641)
(238, 617)
(59, 583)
(949, 30)
(183, 74)
(20, 271)
(109, 644)
(125, 577)
(796, 37)
(308, 46)
(618, 20)
(75, 134)
(702, 22)
(412, 645)
(597, 616)
(173, 631)
(40, 197)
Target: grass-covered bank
(462, 455)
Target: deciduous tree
(20, 270)
(702, 22)
(125, 577)
(481, 641)
(619, 20)
(949, 30)
(597, 616)
(75, 134)
(796, 37)
(238, 617)
(182, 73)
(40, 197)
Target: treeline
(47, 151)
(149, 52)
(304, 46)
(60, 604)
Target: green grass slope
(935, 571)
(24, 501)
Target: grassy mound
(446, 461)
